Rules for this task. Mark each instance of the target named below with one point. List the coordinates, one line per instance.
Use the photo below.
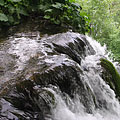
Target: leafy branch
(59, 12)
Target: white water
(75, 110)
(23, 48)
(62, 112)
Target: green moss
(111, 76)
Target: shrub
(59, 12)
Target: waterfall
(102, 91)
(57, 77)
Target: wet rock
(68, 79)
(53, 61)
(33, 101)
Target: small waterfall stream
(110, 109)
(57, 77)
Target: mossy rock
(111, 76)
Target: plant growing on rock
(111, 76)
(58, 12)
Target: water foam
(92, 76)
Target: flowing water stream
(66, 74)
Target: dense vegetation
(59, 12)
(105, 22)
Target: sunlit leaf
(48, 10)
(72, 0)
(47, 17)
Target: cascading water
(56, 77)
(109, 105)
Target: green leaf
(43, 7)
(47, 17)
(11, 9)
(67, 18)
(48, 10)
(22, 11)
(11, 19)
(75, 5)
(2, 2)
(3, 17)
(57, 5)
(15, 0)
(52, 19)
(72, 0)
(57, 22)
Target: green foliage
(113, 78)
(105, 23)
(65, 14)
(3, 17)
(60, 12)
